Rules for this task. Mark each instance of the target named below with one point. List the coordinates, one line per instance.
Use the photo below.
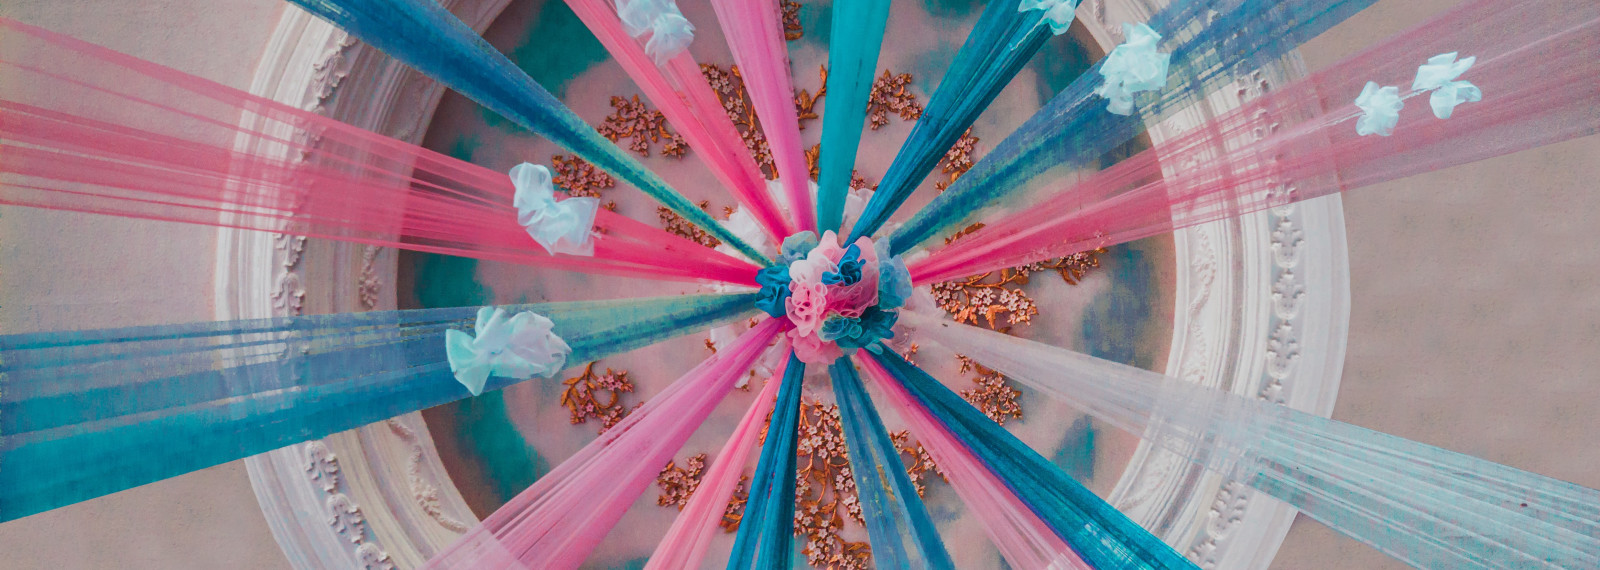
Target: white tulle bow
(560, 227)
(1132, 67)
(521, 347)
(1058, 13)
(670, 32)
(1380, 110)
(1439, 75)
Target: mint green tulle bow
(1380, 110)
(560, 227)
(670, 32)
(1438, 75)
(520, 346)
(1132, 67)
(1058, 13)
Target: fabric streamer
(902, 534)
(88, 413)
(1213, 44)
(1423, 505)
(853, 45)
(766, 534)
(88, 129)
(427, 37)
(686, 542)
(1102, 536)
(686, 99)
(754, 29)
(1536, 74)
(557, 522)
(1004, 39)
(1022, 539)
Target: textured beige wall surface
(65, 271)
(1473, 327)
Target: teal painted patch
(464, 147)
(1057, 65)
(556, 49)
(816, 21)
(508, 462)
(483, 426)
(1076, 454)
(1119, 317)
(635, 564)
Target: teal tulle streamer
(766, 533)
(853, 48)
(902, 533)
(1213, 43)
(1004, 39)
(430, 39)
(1101, 535)
(88, 413)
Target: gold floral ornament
(892, 94)
(993, 395)
(805, 103)
(995, 298)
(679, 483)
(918, 462)
(791, 21)
(734, 514)
(675, 224)
(958, 160)
(580, 178)
(825, 491)
(597, 396)
(631, 118)
(729, 85)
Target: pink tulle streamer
(1537, 67)
(686, 542)
(688, 102)
(87, 129)
(754, 29)
(558, 521)
(1023, 539)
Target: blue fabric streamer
(1003, 40)
(766, 534)
(1074, 130)
(431, 40)
(88, 413)
(894, 513)
(853, 47)
(1099, 533)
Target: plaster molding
(1262, 310)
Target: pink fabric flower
(851, 300)
(807, 306)
(812, 350)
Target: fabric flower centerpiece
(839, 298)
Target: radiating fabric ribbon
(518, 347)
(853, 46)
(91, 412)
(670, 32)
(766, 533)
(1426, 506)
(560, 227)
(903, 535)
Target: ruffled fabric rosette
(839, 298)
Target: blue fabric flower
(1380, 110)
(849, 272)
(1439, 75)
(851, 334)
(894, 281)
(774, 282)
(795, 247)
